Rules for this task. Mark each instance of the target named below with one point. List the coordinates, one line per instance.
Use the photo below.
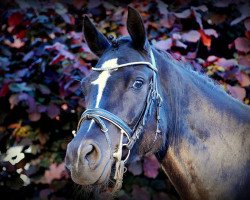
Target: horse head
(123, 107)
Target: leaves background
(43, 57)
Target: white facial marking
(110, 63)
(101, 82)
(78, 154)
(102, 79)
(91, 123)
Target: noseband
(98, 115)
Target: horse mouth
(92, 177)
(104, 177)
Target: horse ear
(136, 28)
(96, 41)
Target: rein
(98, 114)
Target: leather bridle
(99, 114)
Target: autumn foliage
(43, 57)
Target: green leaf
(21, 87)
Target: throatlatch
(98, 114)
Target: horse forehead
(120, 56)
(102, 78)
(113, 62)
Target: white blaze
(101, 82)
(91, 123)
(102, 79)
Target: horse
(141, 101)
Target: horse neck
(207, 128)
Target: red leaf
(16, 98)
(76, 37)
(55, 172)
(247, 24)
(222, 3)
(164, 44)
(15, 19)
(151, 166)
(41, 108)
(191, 36)
(57, 59)
(237, 20)
(244, 60)
(35, 116)
(15, 126)
(163, 8)
(32, 105)
(53, 111)
(197, 16)
(212, 58)
(43, 89)
(63, 52)
(243, 79)
(226, 62)
(78, 3)
(247, 34)
(161, 196)
(184, 14)
(4, 90)
(139, 193)
(242, 44)
(237, 92)
(135, 168)
(191, 55)
(203, 8)
(244, 11)
(21, 34)
(168, 21)
(176, 36)
(122, 30)
(217, 18)
(28, 56)
(206, 40)
(94, 4)
(210, 32)
(82, 66)
(44, 194)
(18, 43)
(69, 19)
(180, 44)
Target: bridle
(98, 114)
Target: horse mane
(204, 78)
(176, 95)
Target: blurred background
(43, 57)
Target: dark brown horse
(140, 101)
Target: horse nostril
(91, 154)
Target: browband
(150, 65)
(125, 65)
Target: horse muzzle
(87, 162)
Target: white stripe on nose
(101, 82)
(91, 123)
(102, 79)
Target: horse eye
(137, 84)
